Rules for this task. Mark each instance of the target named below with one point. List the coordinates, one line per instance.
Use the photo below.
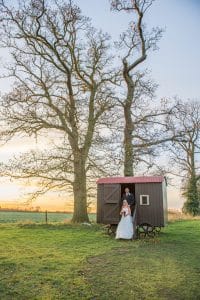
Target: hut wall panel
(165, 207)
(100, 188)
(152, 213)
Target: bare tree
(64, 78)
(185, 152)
(144, 121)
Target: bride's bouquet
(124, 211)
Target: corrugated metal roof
(135, 179)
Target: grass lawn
(63, 261)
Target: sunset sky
(175, 67)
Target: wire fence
(37, 217)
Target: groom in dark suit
(130, 199)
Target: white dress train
(125, 226)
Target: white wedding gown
(125, 226)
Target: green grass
(38, 217)
(63, 261)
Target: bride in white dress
(125, 226)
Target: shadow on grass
(59, 226)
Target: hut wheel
(158, 229)
(111, 229)
(146, 229)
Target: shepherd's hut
(150, 195)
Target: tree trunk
(80, 192)
(192, 205)
(128, 130)
(128, 151)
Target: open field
(174, 215)
(64, 261)
(38, 217)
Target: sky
(175, 67)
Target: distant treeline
(35, 210)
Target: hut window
(144, 199)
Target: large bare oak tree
(63, 88)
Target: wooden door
(112, 197)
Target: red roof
(135, 179)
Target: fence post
(46, 218)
